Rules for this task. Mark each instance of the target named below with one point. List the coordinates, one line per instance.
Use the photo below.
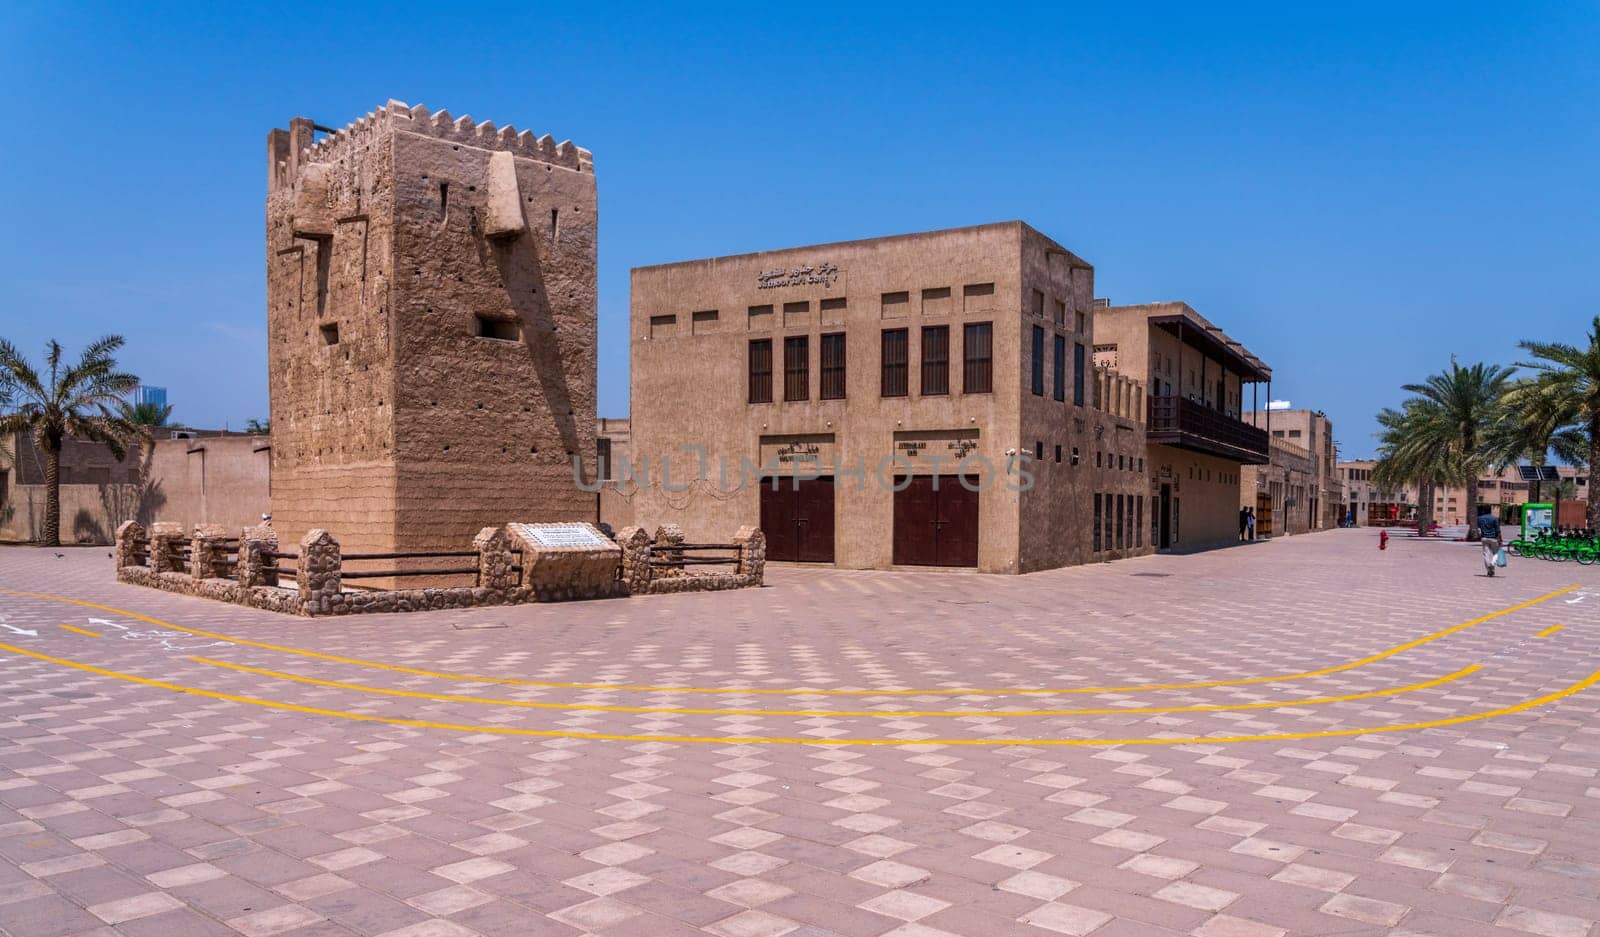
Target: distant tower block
(431, 329)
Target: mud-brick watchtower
(431, 328)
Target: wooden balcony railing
(1187, 424)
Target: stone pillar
(317, 573)
(130, 552)
(205, 549)
(635, 545)
(668, 536)
(752, 553)
(256, 568)
(495, 560)
(164, 540)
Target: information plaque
(561, 536)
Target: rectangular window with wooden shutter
(895, 363)
(1077, 373)
(977, 349)
(935, 360)
(761, 370)
(1061, 368)
(1037, 362)
(833, 366)
(797, 368)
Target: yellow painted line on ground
(1527, 704)
(1549, 631)
(797, 691)
(84, 631)
(870, 713)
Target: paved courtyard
(1300, 737)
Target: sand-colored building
(1368, 504)
(1282, 492)
(924, 400)
(1504, 490)
(431, 328)
(1199, 380)
(1301, 488)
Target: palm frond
(15, 371)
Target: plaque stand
(567, 561)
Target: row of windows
(1206, 475)
(1079, 322)
(1119, 521)
(1059, 359)
(977, 364)
(1102, 459)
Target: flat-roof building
(924, 400)
(1198, 442)
(1301, 490)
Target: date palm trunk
(52, 497)
(1469, 445)
(1594, 461)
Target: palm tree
(1566, 381)
(147, 413)
(82, 401)
(1532, 427)
(1407, 457)
(1465, 404)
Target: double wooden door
(936, 521)
(797, 519)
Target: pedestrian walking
(1489, 536)
(1244, 522)
(1250, 522)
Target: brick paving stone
(165, 813)
(274, 921)
(130, 909)
(1065, 918)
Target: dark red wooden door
(935, 525)
(914, 514)
(958, 521)
(798, 519)
(777, 520)
(814, 520)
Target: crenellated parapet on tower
(431, 325)
(288, 149)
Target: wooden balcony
(1185, 424)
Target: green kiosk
(1538, 520)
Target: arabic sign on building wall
(823, 274)
(784, 452)
(939, 451)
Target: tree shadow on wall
(86, 528)
(139, 501)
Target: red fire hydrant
(1383, 540)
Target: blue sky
(1355, 191)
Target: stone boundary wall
(155, 559)
(644, 578)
